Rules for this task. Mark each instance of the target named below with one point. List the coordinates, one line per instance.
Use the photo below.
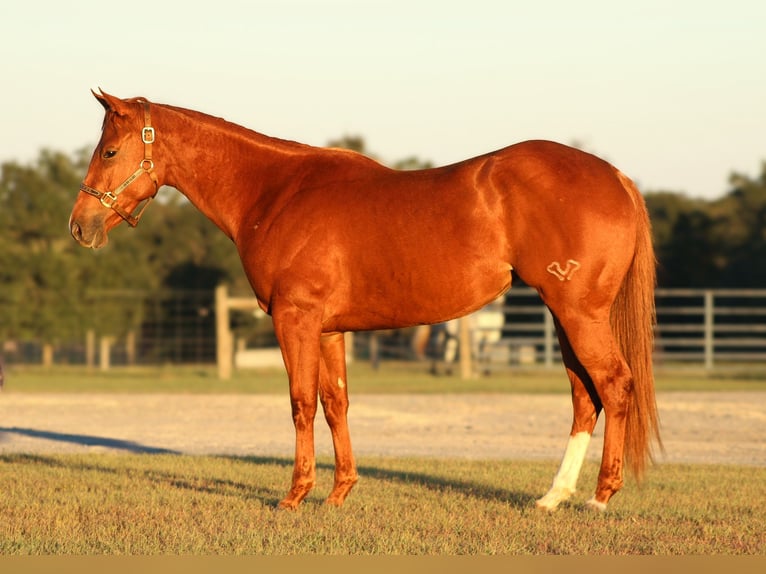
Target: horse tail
(633, 318)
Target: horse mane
(238, 130)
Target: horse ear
(110, 103)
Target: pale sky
(673, 92)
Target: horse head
(121, 178)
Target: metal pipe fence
(707, 328)
(701, 327)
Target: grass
(392, 377)
(183, 505)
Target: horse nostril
(76, 231)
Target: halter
(109, 198)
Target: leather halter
(109, 198)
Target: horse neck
(222, 168)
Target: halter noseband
(109, 198)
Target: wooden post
(223, 337)
(90, 348)
(349, 343)
(105, 353)
(130, 347)
(374, 351)
(466, 365)
(47, 355)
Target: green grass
(391, 377)
(164, 504)
(184, 505)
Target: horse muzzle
(93, 236)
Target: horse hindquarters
(606, 345)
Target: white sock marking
(565, 481)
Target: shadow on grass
(267, 496)
(156, 476)
(86, 440)
(437, 483)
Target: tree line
(52, 290)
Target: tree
(741, 230)
(52, 290)
(718, 243)
(39, 290)
(682, 238)
(690, 259)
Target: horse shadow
(269, 497)
(440, 484)
(86, 440)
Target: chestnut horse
(332, 241)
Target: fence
(170, 327)
(702, 327)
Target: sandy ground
(725, 427)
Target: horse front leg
(333, 392)
(298, 335)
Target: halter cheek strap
(109, 198)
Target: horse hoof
(595, 505)
(555, 496)
(545, 507)
(288, 504)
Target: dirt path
(726, 427)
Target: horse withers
(333, 241)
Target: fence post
(130, 347)
(709, 329)
(466, 366)
(47, 355)
(223, 338)
(374, 351)
(90, 348)
(105, 353)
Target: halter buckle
(147, 135)
(108, 199)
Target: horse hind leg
(586, 408)
(333, 393)
(596, 350)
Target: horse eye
(109, 154)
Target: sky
(670, 91)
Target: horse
(332, 241)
